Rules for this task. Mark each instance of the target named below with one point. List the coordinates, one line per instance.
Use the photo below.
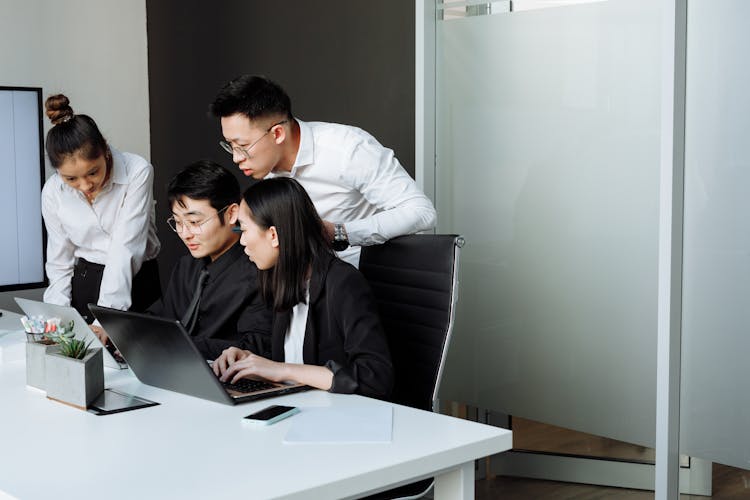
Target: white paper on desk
(342, 425)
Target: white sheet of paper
(341, 425)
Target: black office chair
(415, 282)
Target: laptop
(161, 353)
(82, 331)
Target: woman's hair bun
(58, 109)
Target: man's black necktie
(191, 314)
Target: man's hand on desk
(329, 230)
(104, 338)
(100, 333)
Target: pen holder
(77, 382)
(36, 362)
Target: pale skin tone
(262, 247)
(213, 240)
(266, 151)
(88, 176)
(201, 229)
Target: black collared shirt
(231, 311)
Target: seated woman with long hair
(326, 330)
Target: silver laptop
(161, 353)
(80, 328)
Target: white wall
(93, 51)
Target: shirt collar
(306, 152)
(225, 260)
(119, 172)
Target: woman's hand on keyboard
(227, 359)
(254, 366)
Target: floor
(728, 483)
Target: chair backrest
(414, 279)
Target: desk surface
(191, 448)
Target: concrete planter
(76, 382)
(35, 361)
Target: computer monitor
(22, 252)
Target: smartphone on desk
(270, 415)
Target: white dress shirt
(117, 230)
(352, 179)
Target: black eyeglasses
(246, 150)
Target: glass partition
(715, 408)
(547, 162)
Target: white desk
(189, 448)
(9, 321)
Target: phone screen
(269, 413)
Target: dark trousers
(87, 279)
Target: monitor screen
(22, 250)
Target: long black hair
(72, 134)
(283, 203)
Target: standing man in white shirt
(358, 187)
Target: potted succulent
(74, 370)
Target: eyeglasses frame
(246, 150)
(191, 228)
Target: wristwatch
(340, 239)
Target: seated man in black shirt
(213, 291)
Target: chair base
(411, 490)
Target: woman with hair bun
(98, 209)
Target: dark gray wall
(346, 61)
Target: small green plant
(69, 345)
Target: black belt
(83, 267)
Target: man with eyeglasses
(359, 188)
(213, 291)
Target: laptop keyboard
(248, 385)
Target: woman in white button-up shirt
(98, 209)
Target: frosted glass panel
(715, 406)
(548, 154)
